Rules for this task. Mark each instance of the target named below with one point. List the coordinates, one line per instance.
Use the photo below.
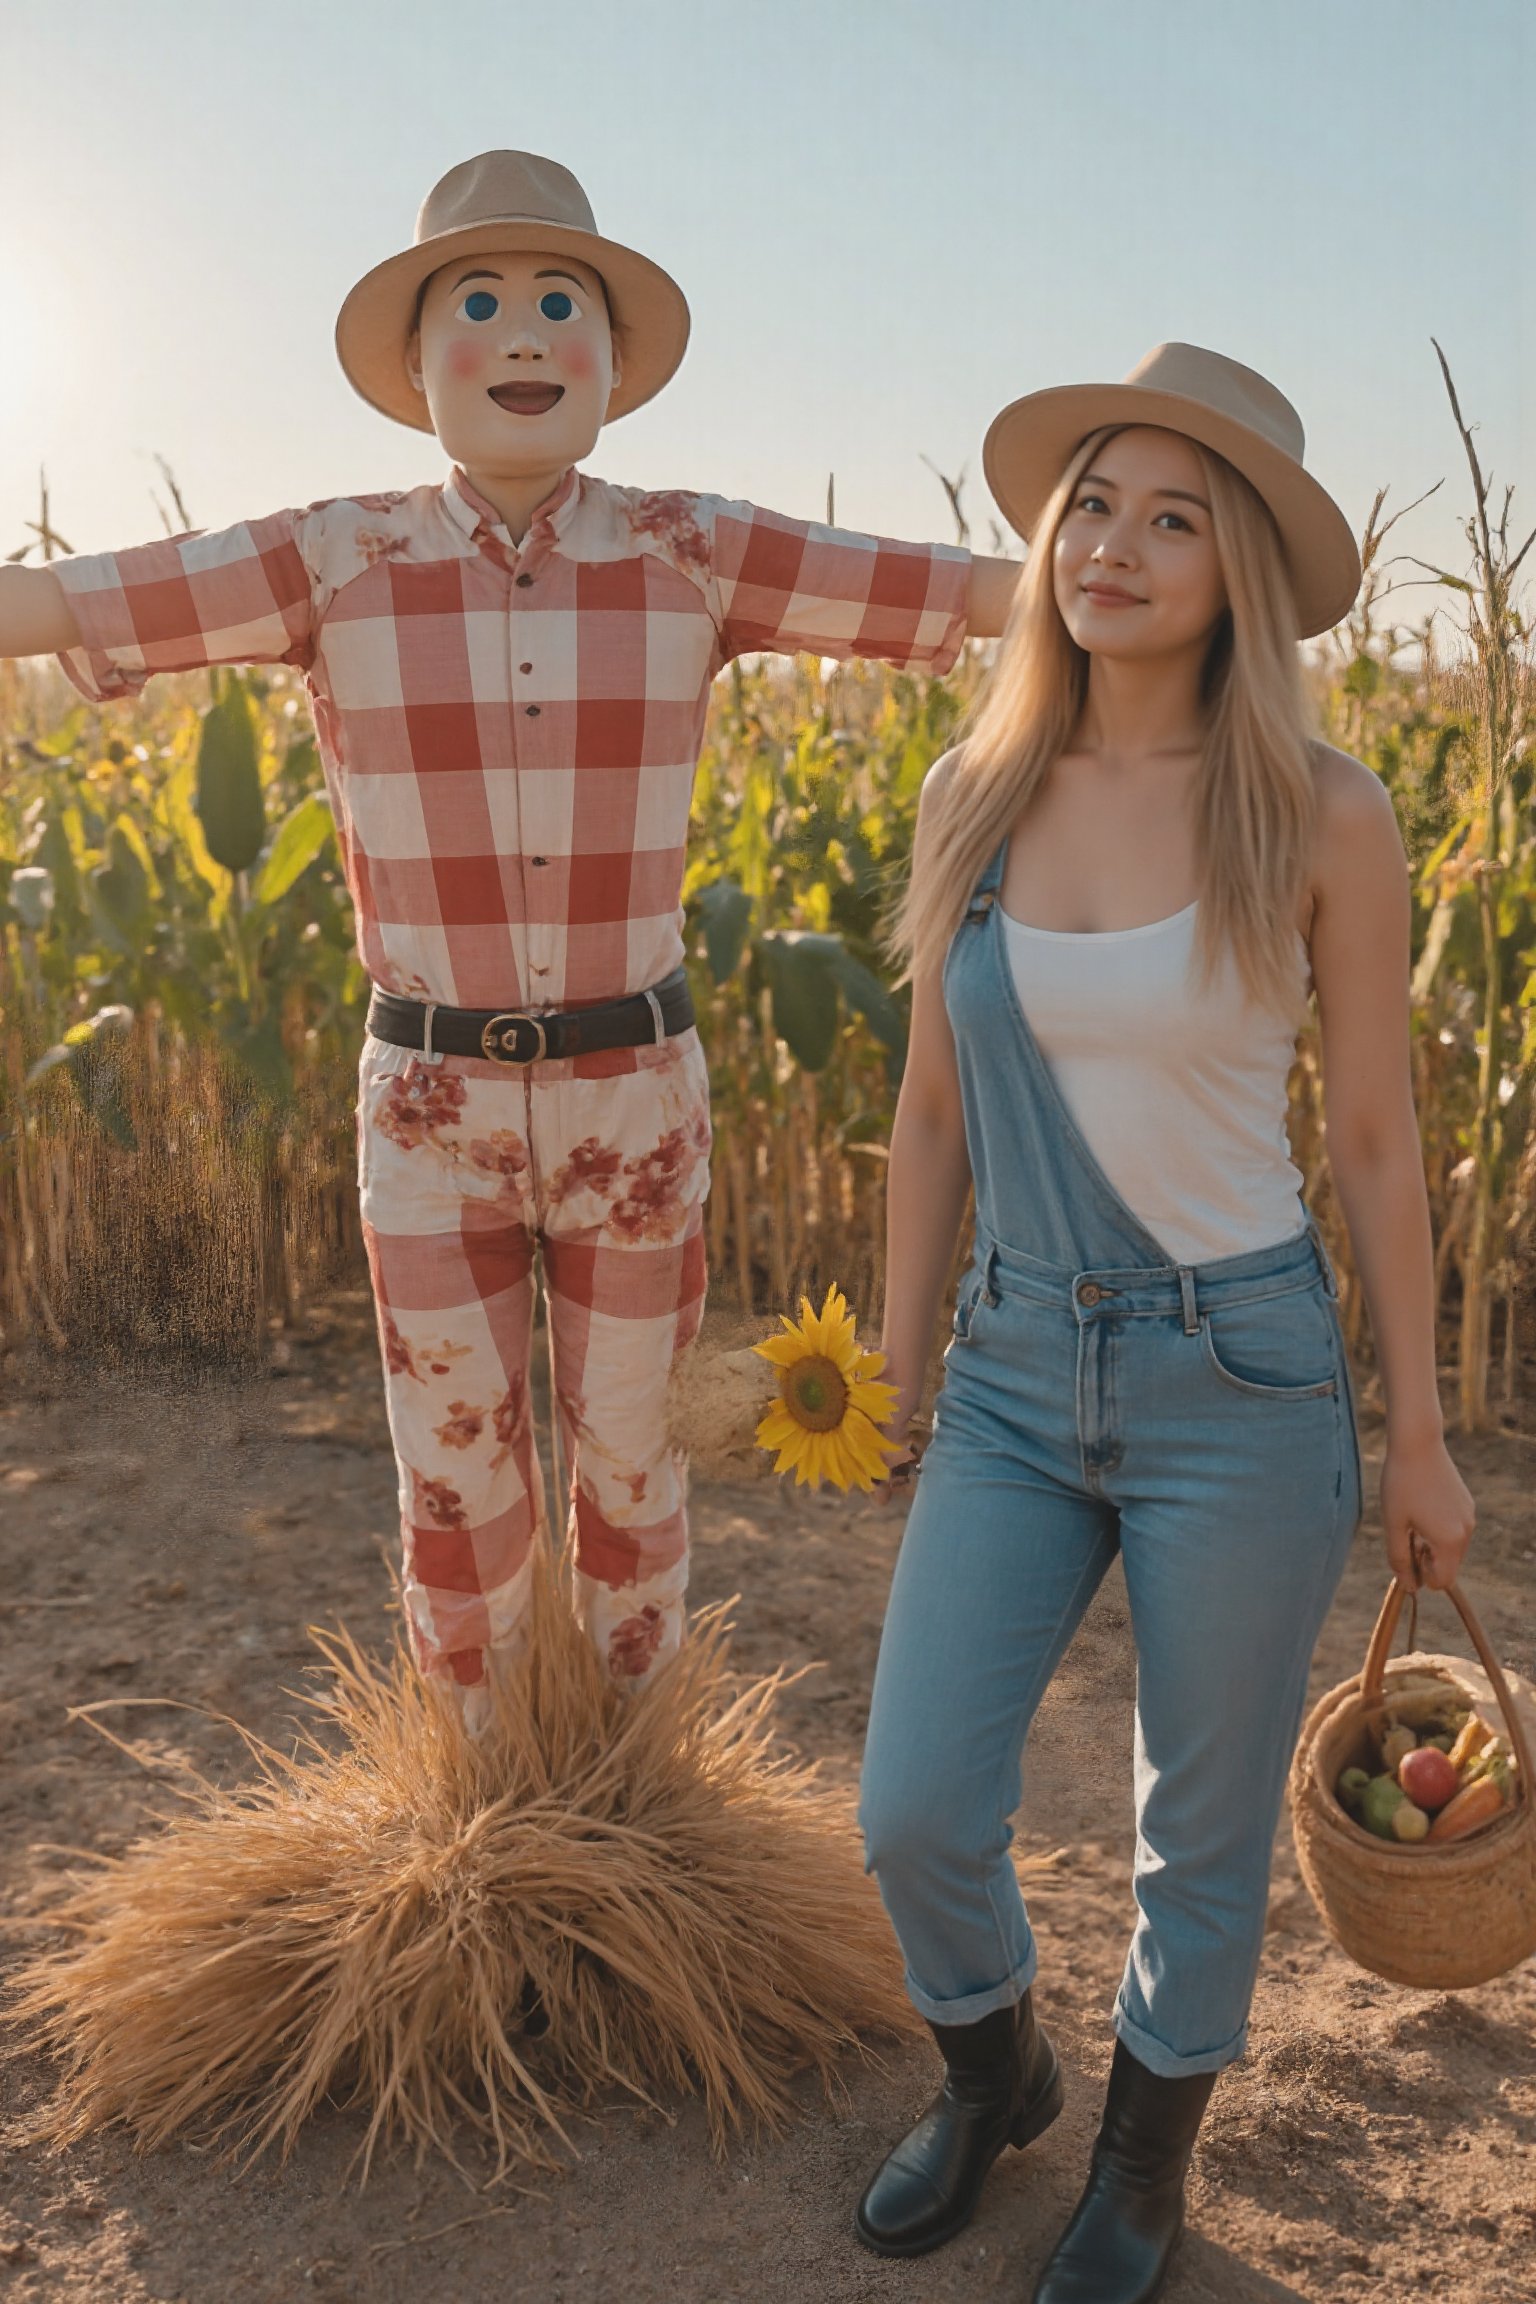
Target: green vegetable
(1352, 1786)
(1379, 1803)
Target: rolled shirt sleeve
(240, 595)
(793, 584)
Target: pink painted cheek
(466, 362)
(579, 361)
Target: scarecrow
(509, 674)
(474, 1893)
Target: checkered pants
(464, 1167)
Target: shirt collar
(471, 512)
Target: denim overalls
(1096, 1397)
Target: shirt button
(525, 667)
(1088, 1294)
(539, 859)
(532, 711)
(525, 581)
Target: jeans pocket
(1278, 1348)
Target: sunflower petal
(835, 1324)
(875, 1401)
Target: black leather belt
(521, 1036)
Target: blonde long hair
(1254, 797)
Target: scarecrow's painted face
(1136, 568)
(516, 356)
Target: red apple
(1428, 1778)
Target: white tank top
(1178, 1090)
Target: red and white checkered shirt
(510, 732)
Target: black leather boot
(1117, 2247)
(1002, 2085)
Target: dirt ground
(157, 1541)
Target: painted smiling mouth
(527, 399)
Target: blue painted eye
(480, 304)
(556, 305)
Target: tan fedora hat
(513, 201)
(1224, 406)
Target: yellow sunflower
(826, 1421)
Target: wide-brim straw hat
(519, 203)
(1221, 404)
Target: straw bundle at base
(681, 1905)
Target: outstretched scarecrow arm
(790, 585)
(240, 595)
(787, 584)
(35, 616)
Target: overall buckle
(499, 1039)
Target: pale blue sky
(890, 216)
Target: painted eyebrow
(553, 275)
(1183, 495)
(482, 275)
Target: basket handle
(1374, 1671)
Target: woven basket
(1441, 1917)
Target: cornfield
(182, 1007)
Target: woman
(1126, 881)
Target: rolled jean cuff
(975, 2005)
(1158, 2057)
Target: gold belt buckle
(498, 1039)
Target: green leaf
(55, 854)
(229, 797)
(806, 972)
(182, 817)
(301, 836)
(864, 992)
(121, 888)
(804, 994)
(725, 914)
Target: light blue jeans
(1197, 1420)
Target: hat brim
(374, 325)
(1030, 443)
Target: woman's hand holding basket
(1427, 1513)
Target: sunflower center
(815, 1393)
